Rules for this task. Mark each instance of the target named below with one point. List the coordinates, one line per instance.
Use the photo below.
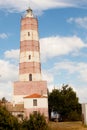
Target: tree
(7, 121)
(54, 101)
(70, 103)
(65, 102)
(4, 100)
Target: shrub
(74, 116)
(35, 122)
(7, 121)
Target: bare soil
(67, 126)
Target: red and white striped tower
(29, 68)
(30, 90)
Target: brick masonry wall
(28, 88)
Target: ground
(67, 126)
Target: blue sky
(63, 43)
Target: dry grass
(66, 126)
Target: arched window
(29, 57)
(28, 33)
(30, 77)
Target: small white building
(35, 103)
(84, 113)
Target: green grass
(66, 126)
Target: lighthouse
(30, 90)
(29, 68)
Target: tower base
(33, 95)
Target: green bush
(35, 122)
(74, 116)
(7, 121)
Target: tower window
(29, 57)
(34, 102)
(28, 33)
(30, 77)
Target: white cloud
(82, 93)
(47, 76)
(8, 74)
(79, 69)
(35, 4)
(82, 22)
(8, 71)
(56, 46)
(15, 5)
(6, 90)
(3, 36)
(12, 54)
(43, 5)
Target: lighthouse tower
(30, 90)
(29, 68)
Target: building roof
(16, 108)
(35, 95)
(29, 13)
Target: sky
(63, 43)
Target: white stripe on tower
(30, 66)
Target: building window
(30, 77)
(28, 33)
(29, 57)
(20, 116)
(34, 102)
